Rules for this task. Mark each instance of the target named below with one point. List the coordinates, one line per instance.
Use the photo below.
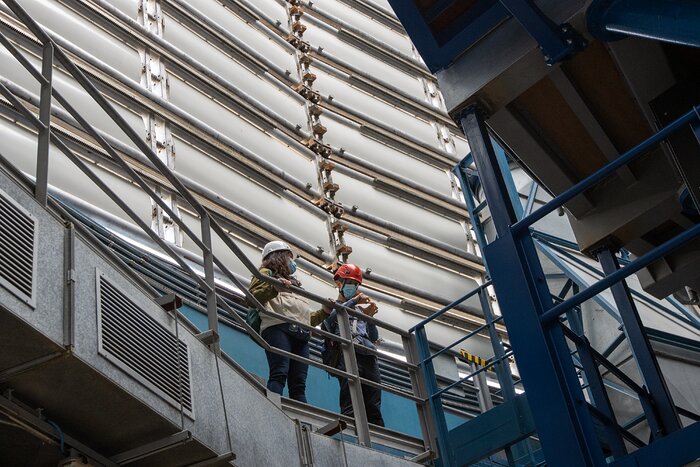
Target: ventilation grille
(143, 347)
(17, 249)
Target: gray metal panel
(139, 345)
(226, 121)
(243, 191)
(367, 25)
(392, 116)
(18, 251)
(408, 270)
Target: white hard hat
(276, 245)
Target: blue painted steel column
(495, 187)
(560, 411)
(674, 21)
(446, 458)
(641, 349)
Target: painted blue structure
(439, 46)
(572, 431)
(668, 21)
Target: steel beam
(152, 448)
(486, 160)
(641, 348)
(42, 158)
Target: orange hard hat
(348, 271)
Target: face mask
(349, 290)
(292, 267)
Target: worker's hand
(328, 306)
(362, 298)
(286, 283)
(370, 310)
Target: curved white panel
(74, 93)
(85, 35)
(391, 116)
(19, 147)
(244, 133)
(256, 38)
(273, 9)
(367, 25)
(244, 79)
(129, 7)
(335, 47)
(242, 191)
(341, 135)
(409, 271)
(402, 213)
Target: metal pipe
(413, 235)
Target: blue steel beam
(674, 21)
(641, 348)
(559, 409)
(494, 184)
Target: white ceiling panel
(240, 190)
(398, 211)
(367, 25)
(391, 116)
(244, 133)
(259, 40)
(335, 47)
(341, 135)
(19, 147)
(244, 79)
(85, 35)
(409, 271)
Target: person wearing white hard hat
(278, 262)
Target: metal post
(42, 155)
(208, 257)
(559, 409)
(600, 398)
(435, 403)
(419, 387)
(505, 377)
(641, 348)
(350, 360)
(69, 287)
(486, 160)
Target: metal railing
(209, 226)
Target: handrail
(447, 308)
(208, 219)
(604, 171)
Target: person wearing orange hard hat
(348, 279)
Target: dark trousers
(283, 369)
(369, 369)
